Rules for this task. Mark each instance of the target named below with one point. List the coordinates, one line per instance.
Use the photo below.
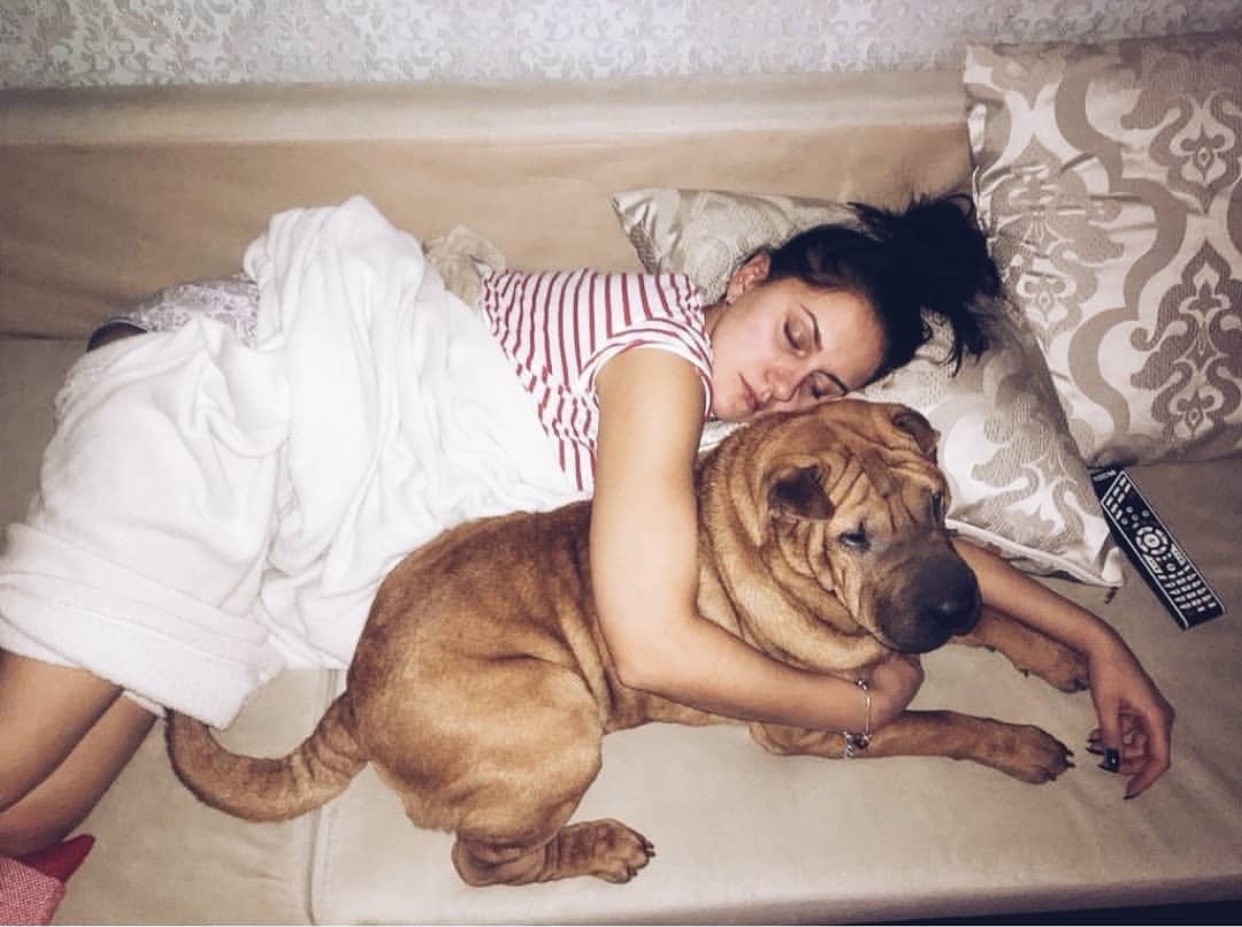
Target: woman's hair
(930, 256)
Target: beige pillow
(1107, 177)
(1018, 484)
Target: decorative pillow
(1017, 482)
(1107, 177)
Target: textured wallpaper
(89, 42)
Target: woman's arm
(644, 567)
(1135, 719)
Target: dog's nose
(957, 610)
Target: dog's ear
(914, 424)
(799, 493)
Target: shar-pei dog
(481, 688)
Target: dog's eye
(855, 540)
(937, 506)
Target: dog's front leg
(1030, 651)
(1019, 750)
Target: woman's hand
(1136, 721)
(893, 685)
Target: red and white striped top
(560, 328)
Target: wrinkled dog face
(857, 503)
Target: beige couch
(110, 194)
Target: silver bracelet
(857, 743)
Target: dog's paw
(605, 849)
(1033, 755)
(1069, 671)
(1061, 667)
(610, 850)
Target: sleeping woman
(228, 485)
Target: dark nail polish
(1112, 761)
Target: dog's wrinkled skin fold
(481, 687)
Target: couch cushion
(1110, 177)
(111, 193)
(744, 836)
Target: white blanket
(209, 512)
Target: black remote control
(1152, 549)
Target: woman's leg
(67, 735)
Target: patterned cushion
(1017, 482)
(1107, 177)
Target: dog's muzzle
(935, 598)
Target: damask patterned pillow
(1017, 482)
(1107, 177)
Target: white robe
(209, 513)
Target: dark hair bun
(944, 260)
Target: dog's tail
(261, 788)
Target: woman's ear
(754, 270)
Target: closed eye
(855, 540)
(793, 336)
(825, 386)
(803, 338)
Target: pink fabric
(32, 887)
(27, 896)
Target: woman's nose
(782, 387)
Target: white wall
(90, 42)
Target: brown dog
(481, 686)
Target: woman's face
(783, 345)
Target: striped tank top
(558, 329)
